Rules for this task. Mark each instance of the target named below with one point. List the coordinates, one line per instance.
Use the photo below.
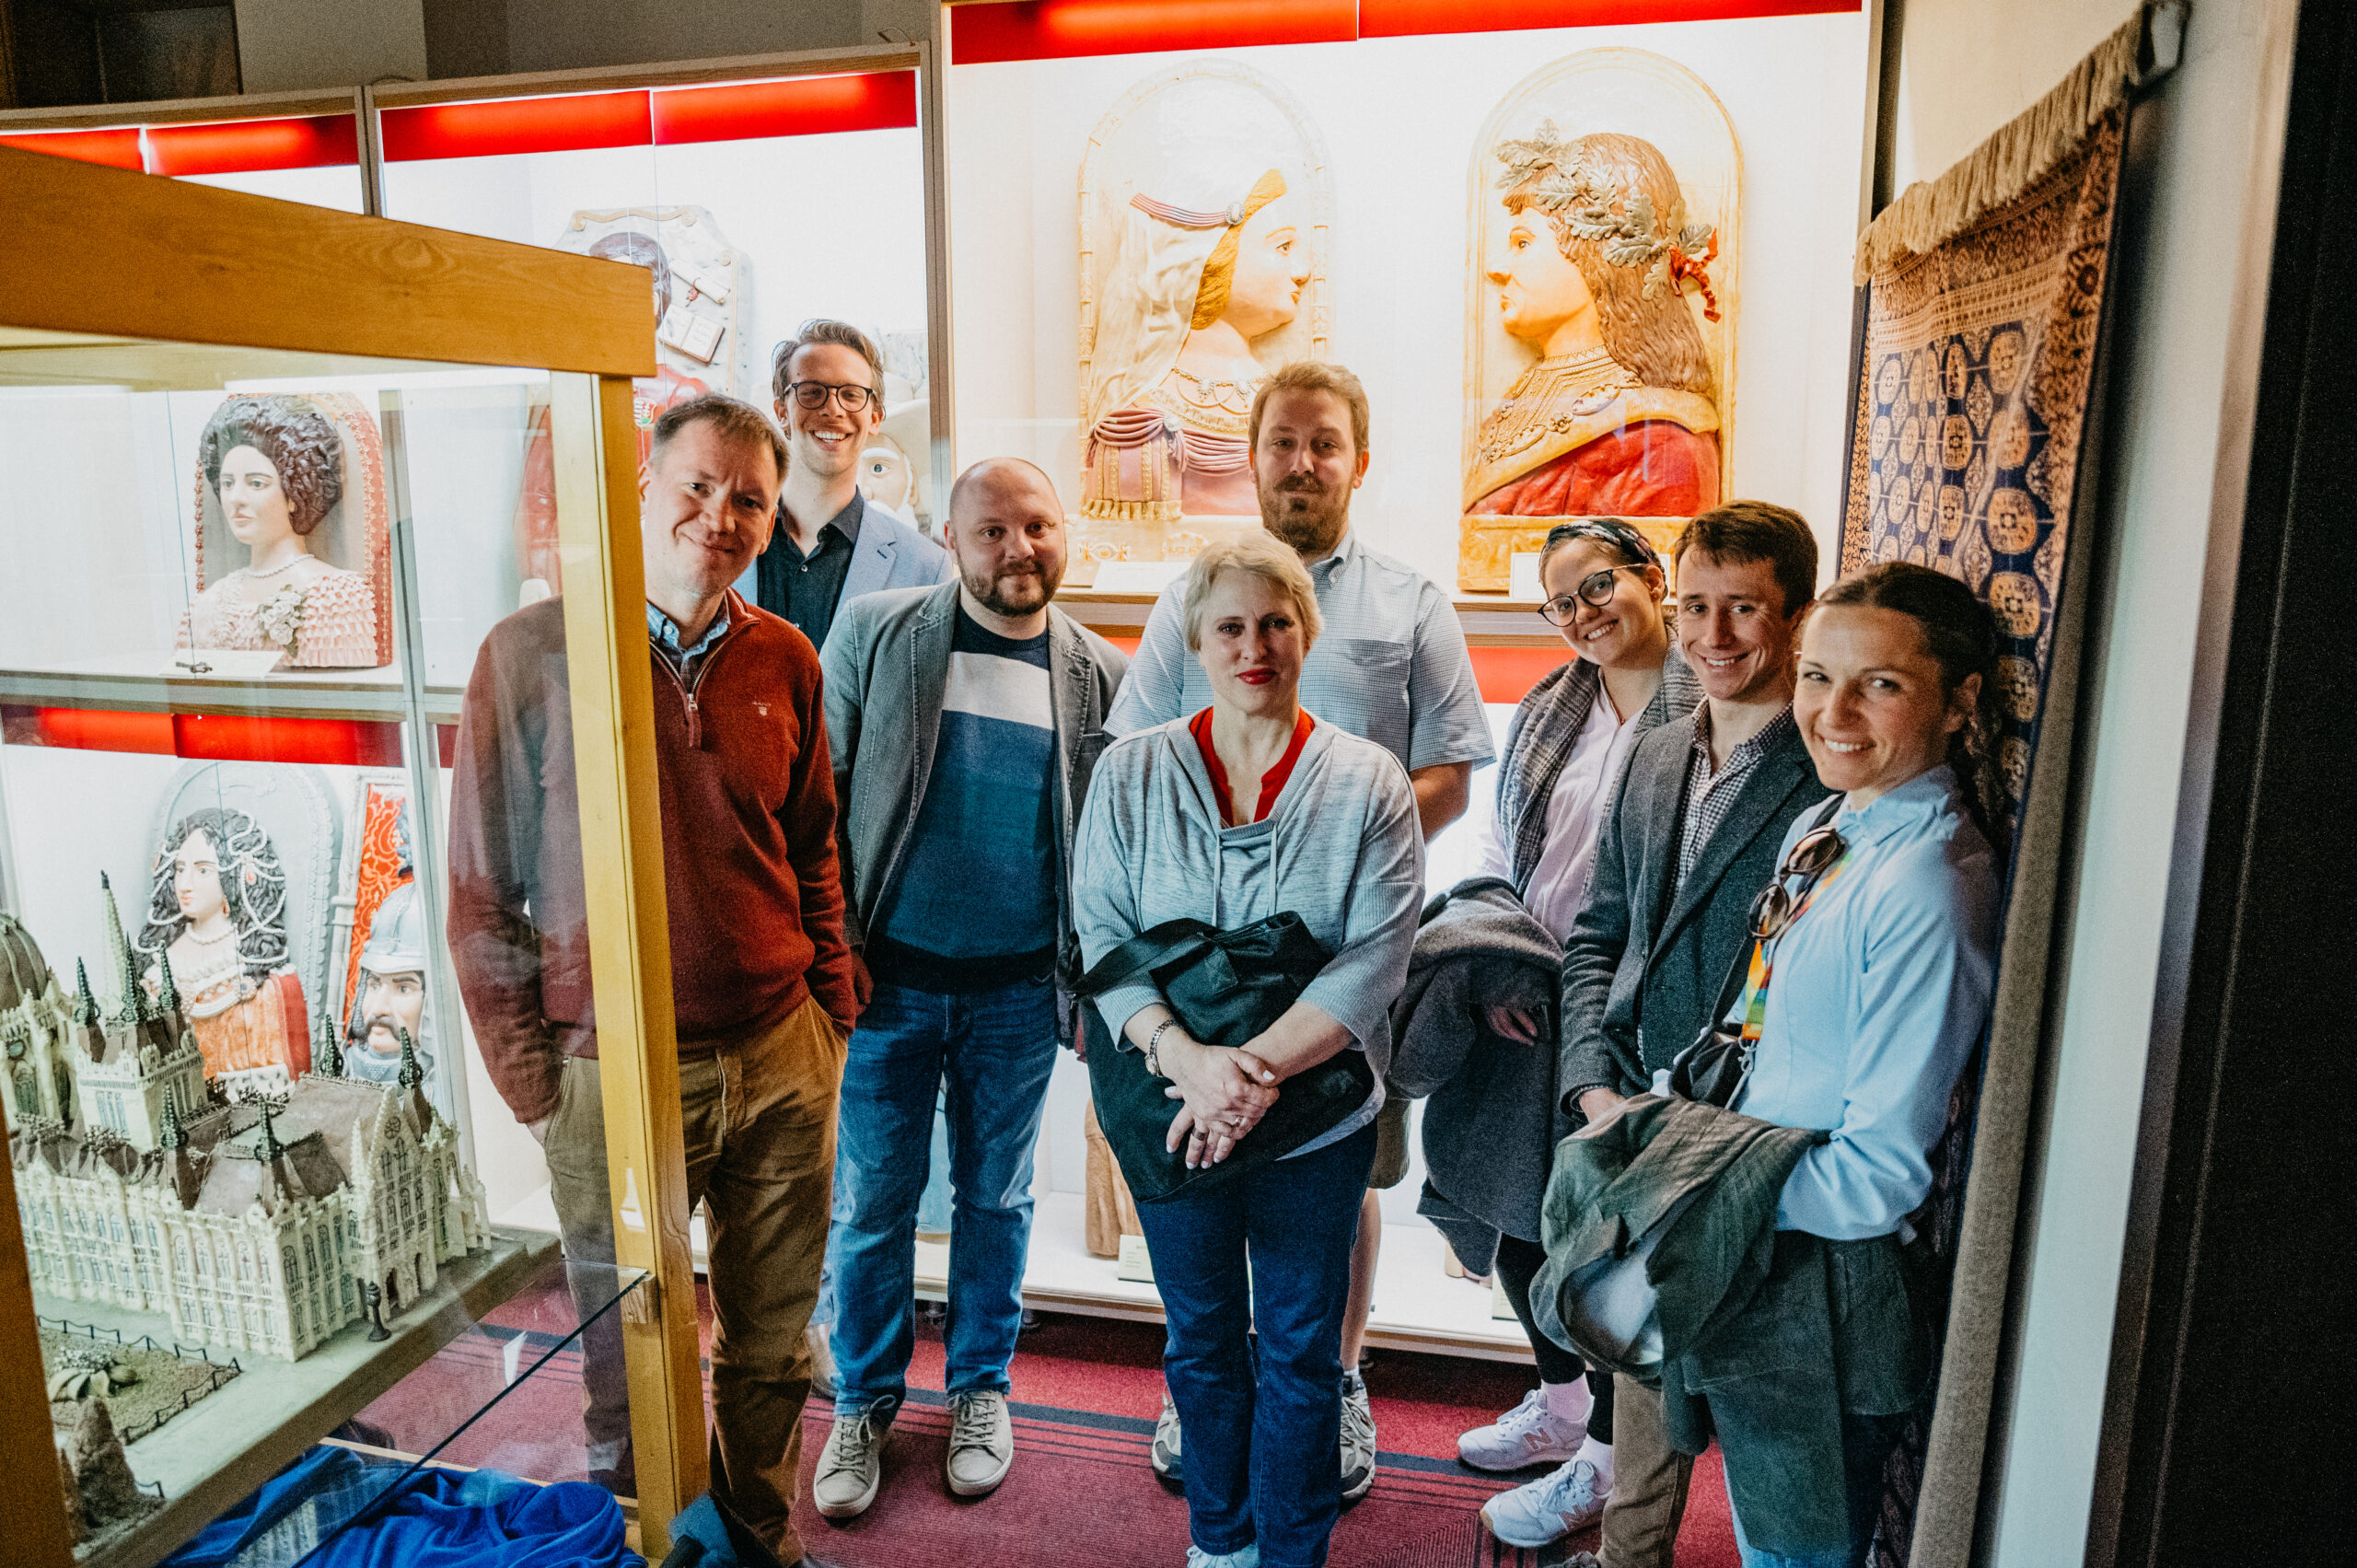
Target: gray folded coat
(1493, 1115)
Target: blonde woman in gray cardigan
(1247, 809)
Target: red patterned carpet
(1081, 1494)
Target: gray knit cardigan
(1346, 849)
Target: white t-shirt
(1557, 889)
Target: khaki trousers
(759, 1115)
(1650, 1481)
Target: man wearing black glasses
(1691, 840)
(831, 546)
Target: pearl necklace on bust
(286, 566)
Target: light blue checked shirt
(1878, 994)
(663, 632)
(1390, 666)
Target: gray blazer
(1640, 971)
(887, 663)
(891, 554)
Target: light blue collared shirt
(663, 632)
(1878, 994)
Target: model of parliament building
(257, 1224)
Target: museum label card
(223, 664)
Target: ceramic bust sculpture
(1616, 416)
(216, 931)
(1200, 279)
(391, 1001)
(1206, 204)
(275, 466)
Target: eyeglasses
(1596, 589)
(814, 395)
(1818, 851)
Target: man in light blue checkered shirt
(1390, 666)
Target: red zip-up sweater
(750, 876)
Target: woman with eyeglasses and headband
(1868, 988)
(1568, 741)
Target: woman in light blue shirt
(1878, 951)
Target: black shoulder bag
(1225, 988)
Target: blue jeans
(1866, 1443)
(933, 1207)
(996, 1049)
(1262, 1432)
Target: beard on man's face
(1305, 514)
(1017, 591)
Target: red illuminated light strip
(226, 738)
(805, 106)
(115, 149)
(1048, 29)
(230, 146)
(1396, 18)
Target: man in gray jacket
(963, 720)
(1692, 838)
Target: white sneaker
(1529, 1434)
(1548, 1509)
(851, 1467)
(1358, 1438)
(1248, 1558)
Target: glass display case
(758, 194)
(1152, 208)
(260, 1168)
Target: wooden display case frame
(190, 264)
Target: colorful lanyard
(1763, 963)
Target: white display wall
(1401, 117)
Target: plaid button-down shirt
(1710, 795)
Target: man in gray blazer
(831, 546)
(1691, 840)
(964, 720)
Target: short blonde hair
(1255, 554)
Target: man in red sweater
(762, 979)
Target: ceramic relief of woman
(1619, 415)
(1201, 270)
(217, 908)
(276, 465)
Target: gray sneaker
(1358, 1438)
(1166, 1462)
(982, 1442)
(851, 1467)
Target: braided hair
(1960, 633)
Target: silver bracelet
(1153, 1062)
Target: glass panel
(504, 1396)
(749, 236)
(265, 1169)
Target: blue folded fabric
(435, 1519)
